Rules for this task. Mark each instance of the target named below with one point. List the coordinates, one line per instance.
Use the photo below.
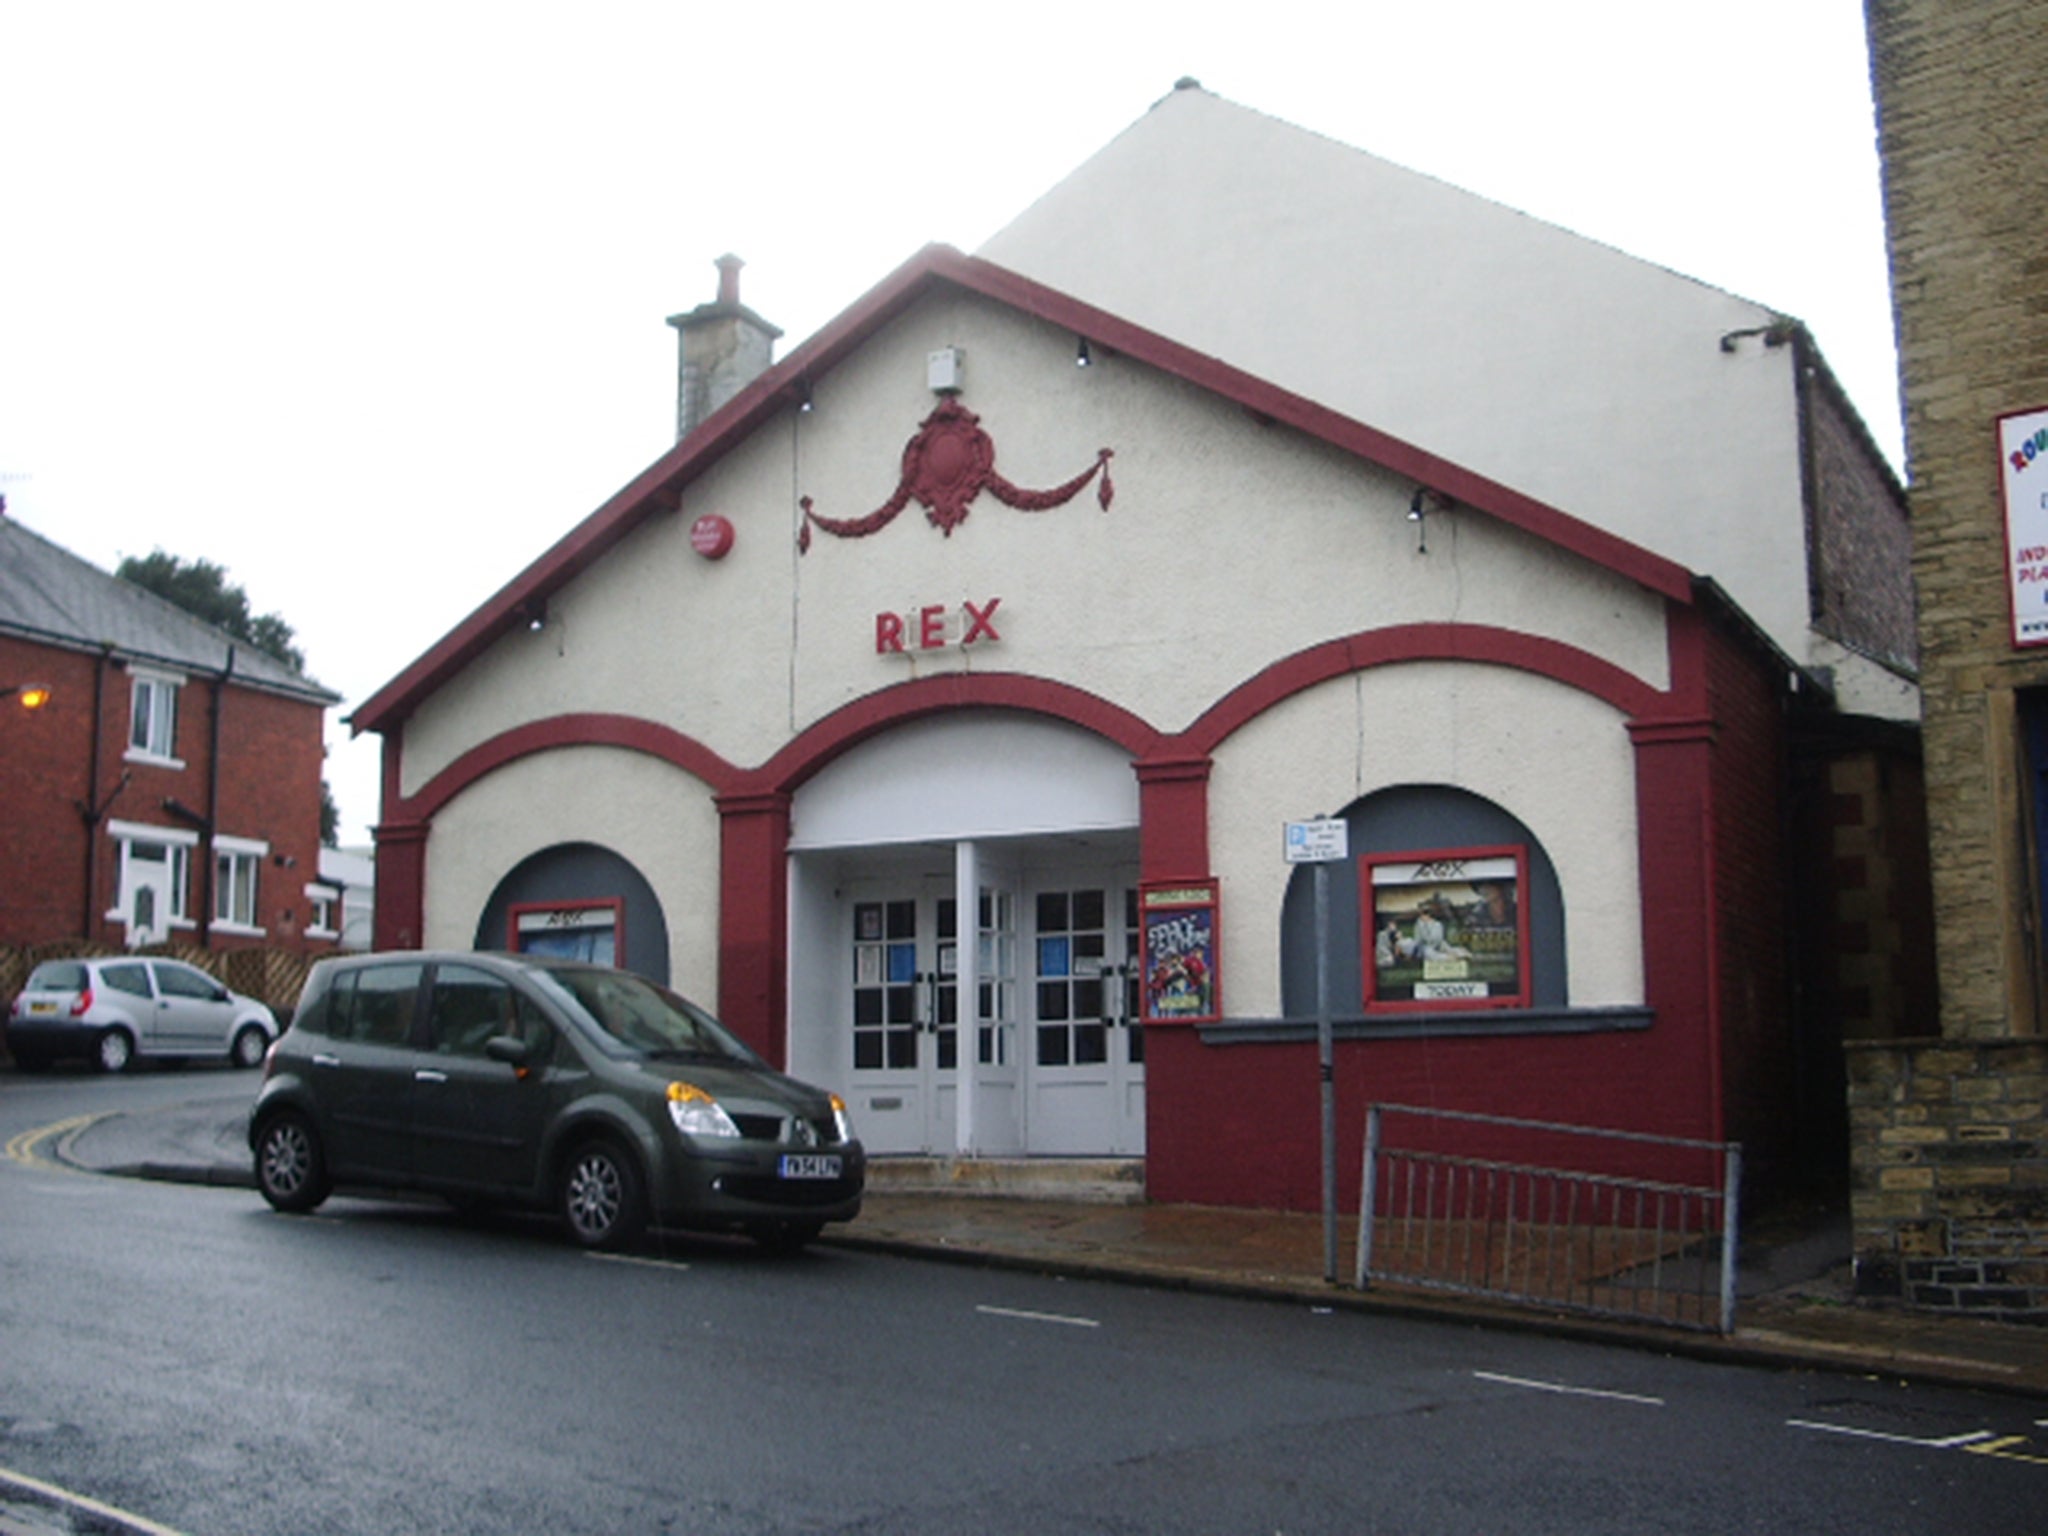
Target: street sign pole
(1323, 842)
(1326, 1065)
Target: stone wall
(1949, 1192)
(1963, 133)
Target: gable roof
(659, 488)
(52, 597)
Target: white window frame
(180, 844)
(326, 903)
(238, 853)
(153, 704)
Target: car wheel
(115, 1050)
(250, 1044)
(785, 1237)
(290, 1168)
(601, 1198)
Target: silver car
(112, 1010)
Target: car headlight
(696, 1113)
(842, 1123)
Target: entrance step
(1081, 1180)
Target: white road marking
(1039, 1317)
(1559, 1387)
(634, 1258)
(79, 1502)
(1945, 1443)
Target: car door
(478, 1120)
(361, 1070)
(193, 1011)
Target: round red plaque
(711, 536)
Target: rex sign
(936, 627)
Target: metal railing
(1593, 1240)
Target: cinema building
(940, 704)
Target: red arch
(1290, 675)
(580, 730)
(870, 715)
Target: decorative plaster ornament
(948, 463)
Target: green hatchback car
(517, 1080)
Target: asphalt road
(186, 1355)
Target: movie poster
(1446, 930)
(1178, 931)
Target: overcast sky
(366, 302)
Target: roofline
(306, 691)
(660, 487)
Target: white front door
(146, 892)
(906, 1015)
(1085, 1065)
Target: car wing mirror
(511, 1050)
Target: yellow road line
(26, 1148)
(2003, 1450)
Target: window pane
(468, 1007)
(132, 979)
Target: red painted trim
(753, 921)
(558, 731)
(659, 489)
(616, 905)
(851, 724)
(1290, 675)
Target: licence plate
(35, 1007)
(809, 1165)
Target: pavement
(1796, 1308)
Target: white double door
(1016, 1035)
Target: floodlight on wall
(31, 695)
(1420, 505)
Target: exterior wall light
(31, 695)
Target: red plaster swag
(945, 466)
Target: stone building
(1950, 1145)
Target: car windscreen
(631, 1012)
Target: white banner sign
(2023, 472)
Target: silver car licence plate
(809, 1165)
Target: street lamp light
(32, 695)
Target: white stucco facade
(1589, 378)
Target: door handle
(324, 1060)
(429, 1075)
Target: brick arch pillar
(1173, 817)
(399, 917)
(753, 919)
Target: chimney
(724, 347)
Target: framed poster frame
(1178, 942)
(529, 922)
(1445, 929)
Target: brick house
(169, 790)
(1951, 1136)
(937, 703)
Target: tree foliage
(202, 589)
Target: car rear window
(58, 976)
